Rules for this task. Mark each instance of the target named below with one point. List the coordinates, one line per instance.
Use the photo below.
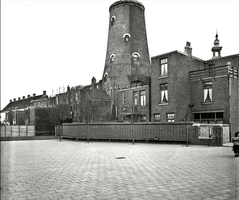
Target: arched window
(112, 57)
(112, 20)
(105, 77)
(135, 59)
(126, 37)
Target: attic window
(112, 20)
(112, 57)
(126, 37)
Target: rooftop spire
(216, 49)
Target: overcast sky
(47, 44)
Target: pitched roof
(20, 104)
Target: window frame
(163, 92)
(135, 98)
(170, 119)
(163, 66)
(207, 92)
(158, 117)
(142, 98)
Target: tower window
(105, 77)
(207, 91)
(126, 37)
(112, 20)
(112, 57)
(164, 93)
(135, 59)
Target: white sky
(47, 44)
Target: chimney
(44, 92)
(19, 98)
(28, 96)
(14, 99)
(93, 82)
(68, 88)
(10, 100)
(34, 94)
(188, 49)
(23, 97)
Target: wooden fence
(17, 131)
(171, 132)
(167, 132)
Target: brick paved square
(53, 169)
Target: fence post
(5, 130)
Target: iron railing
(214, 72)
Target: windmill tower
(127, 56)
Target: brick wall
(220, 96)
(179, 66)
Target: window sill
(161, 77)
(163, 104)
(207, 103)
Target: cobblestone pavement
(53, 169)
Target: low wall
(174, 132)
(17, 131)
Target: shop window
(164, 93)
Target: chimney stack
(19, 98)
(34, 94)
(23, 97)
(28, 96)
(93, 82)
(10, 100)
(14, 99)
(44, 92)
(188, 49)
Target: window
(156, 117)
(123, 98)
(112, 21)
(143, 118)
(126, 37)
(142, 98)
(170, 117)
(164, 66)
(135, 97)
(135, 59)
(207, 91)
(112, 57)
(164, 93)
(105, 77)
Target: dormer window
(126, 37)
(112, 20)
(112, 57)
